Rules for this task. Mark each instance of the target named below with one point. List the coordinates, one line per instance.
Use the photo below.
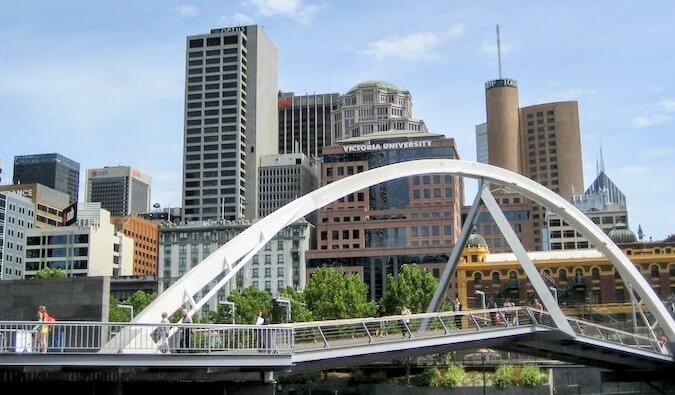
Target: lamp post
(128, 307)
(482, 298)
(232, 307)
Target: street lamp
(232, 307)
(482, 298)
(128, 307)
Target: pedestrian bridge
(326, 344)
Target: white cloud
(662, 114)
(297, 10)
(416, 46)
(644, 121)
(656, 153)
(668, 105)
(242, 19)
(187, 10)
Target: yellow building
(585, 282)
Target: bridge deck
(324, 343)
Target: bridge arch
(232, 256)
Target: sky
(102, 82)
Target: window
(595, 274)
(495, 278)
(477, 277)
(655, 271)
(562, 275)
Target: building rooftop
(390, 134)
(377, 83)
(546, 255)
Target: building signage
(230, 29)
(500, 83)
(24, 192)
(69, 215)
(387, 146)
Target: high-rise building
(374, 107)
(49, 203)
(17, 214)
(231, 120)
(0, 170)
(482, 143)
(503, 128)
(146, 238)
(284, 178)
(52, 170)
(121, 190)
(305, 122)
(92, 247)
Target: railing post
(445, 328)
(367, 332)
(325, 341)
(475, 322)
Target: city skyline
(115, 78)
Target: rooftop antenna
(499, 53)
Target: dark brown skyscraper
(501, 102)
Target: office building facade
(305, 124)
(145, 235)
(374, 107)
(280, 264)
(52, 170)
(409, 220)
(90, 248)
(231, 120)
(49, 203)
(16, 219)
(284, 178)
(121, 190)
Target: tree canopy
(330, 294)
(139, 300)
(247, 303)
(413, 287)
(49, 273)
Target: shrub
(360, 376)
(530, 375)
(453, 376)
(504, 376)
(431, 377)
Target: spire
(602, 160)
(641, 234)
(499, 53)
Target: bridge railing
(92, 337)
(347, 333)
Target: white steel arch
(232, 256)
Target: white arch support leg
(528, 267)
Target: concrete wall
(67, 299)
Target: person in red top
(539, 307)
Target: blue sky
(102, 82)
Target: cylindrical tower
(503, 125)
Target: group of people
(164, 331)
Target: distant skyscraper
(284, 178)
(0, 170)
(482, 143)
(374, 107)
(305, 122)
(231, 120)
(52, 170)
(121, 190)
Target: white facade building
(279, 265)
(92, 247)
(17, 214)
(284, 178)
(374, 107)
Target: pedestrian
(185, 332)
(508, 306)
(492, 305)
(43, 330)
(540, 309)
(382, 331)
(458, 317)
(405, 322)
(163, 333)
(260, 321)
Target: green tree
(331, 295)
(413, 288)
(49, 273)
(299, 310)
(248, 302)
(139, 300)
